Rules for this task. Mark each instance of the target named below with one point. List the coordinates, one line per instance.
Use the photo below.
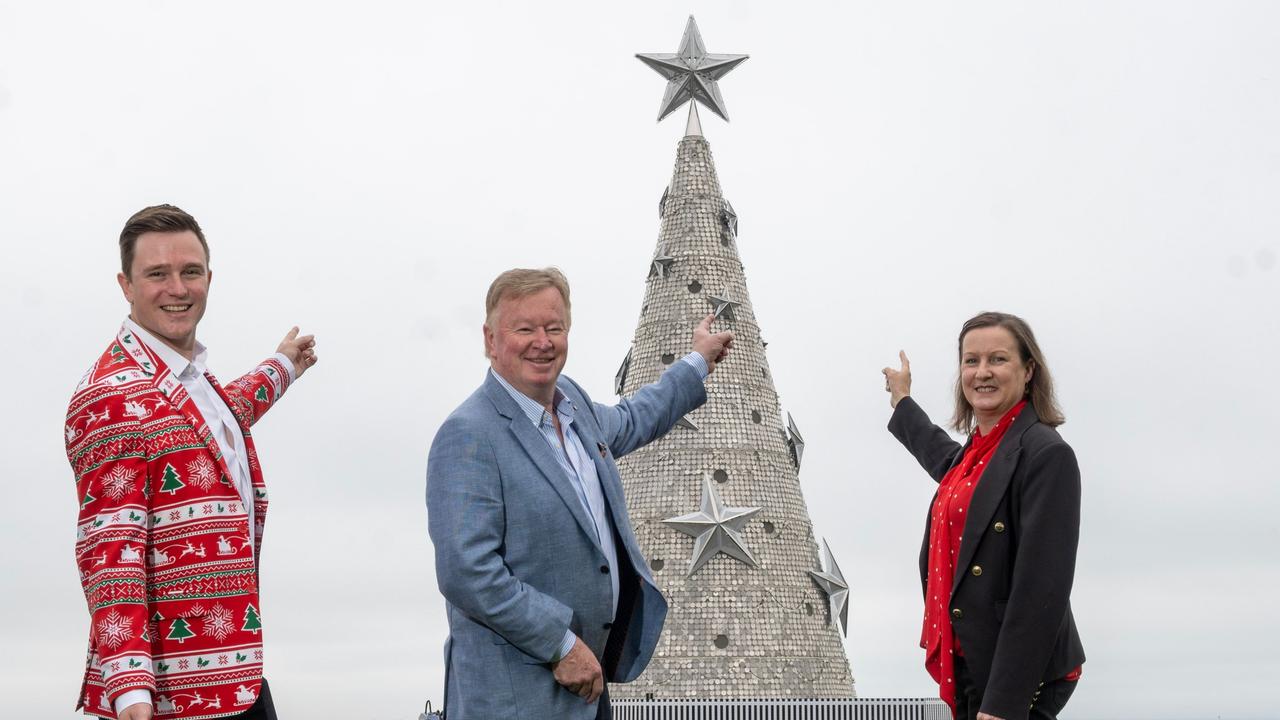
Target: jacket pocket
(515, 652)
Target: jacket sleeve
(932, 447)
(1048, 526)
(110, 464)
(253, 394)
(465, 518)
(652, 411)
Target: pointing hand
(898, 382)
(301, 351)
(714, 347)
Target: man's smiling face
(530, 342)
(167, 286)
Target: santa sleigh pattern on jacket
(163, 548)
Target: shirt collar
(174, 360)
(533, 409)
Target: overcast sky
(1108, 170)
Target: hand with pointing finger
(301, 351)
(714, 347)
(898, 382)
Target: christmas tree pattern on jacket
(162, 544)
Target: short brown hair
(1039, 391)
(157, 218)
(523, 282)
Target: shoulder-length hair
(1039, 391)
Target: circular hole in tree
(768, 527)
(755, 416)
(695, 287)
(722, 641)
(720, 476)
(808, 609)
(668, 358)
(656, 564)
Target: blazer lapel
(992, 487)
(171, 389)
(589, 433)
(540, 453)
(611, 483)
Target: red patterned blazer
(162, 542)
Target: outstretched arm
(252, 395)
(655, 408)
(932, 447)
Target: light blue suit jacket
(516, 554)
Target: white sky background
(1110, 171)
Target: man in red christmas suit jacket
(171, 496)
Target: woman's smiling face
(993, 375)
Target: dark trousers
(1048, 701)
(262, 708)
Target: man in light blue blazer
(547, 593)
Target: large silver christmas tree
(716, 504)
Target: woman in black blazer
(999, 551)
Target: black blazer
(1010, 604)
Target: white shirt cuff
(566, 645)
(288, 366)
(698, 362)
(132, 697)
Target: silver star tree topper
(716, 528)
(692, 73)
(832, 582)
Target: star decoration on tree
(723, 307)
(794, 441)
(692, 73)
(662, 202)
(729, 218)
(716, 528)
(661, 264)
(832, 582)
(620, 380)
(685, 422)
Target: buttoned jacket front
(516, 554)
(1010, 602)
(163, 543)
